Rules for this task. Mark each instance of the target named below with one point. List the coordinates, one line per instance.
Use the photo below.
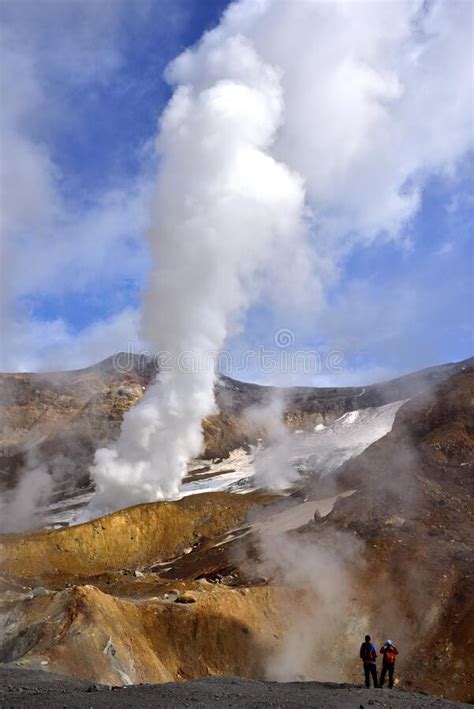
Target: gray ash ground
(27, 688)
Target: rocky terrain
(62, 418)
(255, 585)
(18, 688)
(72, 413)
(414, 509)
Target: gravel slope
(25, 688)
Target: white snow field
(321, 451)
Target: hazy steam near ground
(273, 469)
(297, 130)
(322, 626)
(42, 474)
(19, 507)
(331, 617)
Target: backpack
(389, 657)
(368, 652)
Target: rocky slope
(414, 510)
(262, 585)
(61, 418)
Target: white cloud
(50, 245)
(375, 103)
(376, 99)
(445, 248)
(35, 345)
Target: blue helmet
(389, 642)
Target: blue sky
(110, 124)
(86, 85)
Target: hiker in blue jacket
(368, 655)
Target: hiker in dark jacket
(389, 652)
(368, 655)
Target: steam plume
(362, 101)
(223, 204)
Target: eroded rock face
(143, 535)
(414, 510)
(85, 633)
(107, 610)
(62, 418)
(101, 619)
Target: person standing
(389, 652)
(368, 655)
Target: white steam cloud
(272, 462)
(290, 120)
(223, 204)
(319, 644)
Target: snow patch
(320, 451)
